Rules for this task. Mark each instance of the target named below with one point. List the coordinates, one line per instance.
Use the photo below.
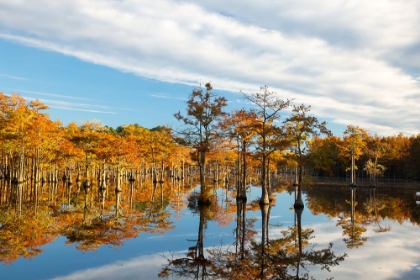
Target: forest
(241, 145)
(243, 142)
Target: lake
(60, 231)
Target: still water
(56, 231)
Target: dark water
(58, 232)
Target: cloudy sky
(132, 61)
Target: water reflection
(99, 213)
(251, 257)
(194, 265)
(89, 216)
(353, 227)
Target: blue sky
(135, 61)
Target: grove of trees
(242, 147)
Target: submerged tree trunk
(299, 202)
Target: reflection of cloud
(145, 267)
(388, 255)
(351, 64)
(376, 259)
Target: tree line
(245, 146)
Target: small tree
(267, 111)
(203, 110)
(354, 141)
(301, 128)
(239, 127)
(376, 148)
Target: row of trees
(254, 133)
(35, 147)
(292, 143)
(248, 143)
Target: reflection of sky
(389, 255)
(144, 267)
(392, 255)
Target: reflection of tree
(352, 228)
(194, 265)
(112, 223)
(373, 206)
(240, 262)
(289, 257)
(244, 228)
(87, 214)
(22, 230)
(93, 227)
(22, 237)
(280, 258)
(378, 204)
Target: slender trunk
(162, 171)
(268, 178)
(264, 216)
(352, 165)
(264, 196)
(244, 167)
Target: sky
(133, 61)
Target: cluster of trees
(35, 147)
(292, 144)
(256, 134)
(250, 144)
(393, 157)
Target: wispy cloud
(73, 106)
(13, 77)
(354, 62)
(51, 94)
(168, 96)
(83, 110)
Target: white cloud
(338, 56)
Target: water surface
(62, 232)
